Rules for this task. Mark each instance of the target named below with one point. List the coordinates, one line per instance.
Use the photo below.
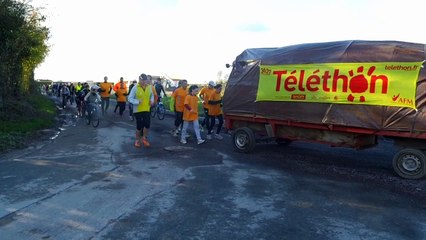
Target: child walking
(190, 115)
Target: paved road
(87, 183)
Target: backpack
(158, 88)
(81, 94)
(65, 90)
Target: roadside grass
(21, 119)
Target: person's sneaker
(218, 136)
(201, 141)
(183, 141)
(145, 142)
(175, 133)
(131, 118)
(137, 144)
(209, 137)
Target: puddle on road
(66, 120)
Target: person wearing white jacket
(142, 98)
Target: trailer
(344, 94)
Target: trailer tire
(410, 163)
(244, 140)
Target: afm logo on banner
(382, 83)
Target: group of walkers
(81, 94)
(143, 95)
(186, 110)
(67, 92)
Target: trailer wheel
(244, 140)
(410, 163)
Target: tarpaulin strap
(325, 117)
(414, 122)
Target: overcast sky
(194, 39)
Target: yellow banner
(378, 83)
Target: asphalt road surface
(81, 182)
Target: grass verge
(20, 120)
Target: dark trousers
(64, 100)
(206, 118)
(178, 119)
(122, 107)
(130, 109)
(104, 104)
(212, 123)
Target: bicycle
(81, 105)
(158, 110)
(92, 117)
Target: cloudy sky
(194, 39)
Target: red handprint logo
(359, 83)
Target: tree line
(23, 46)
